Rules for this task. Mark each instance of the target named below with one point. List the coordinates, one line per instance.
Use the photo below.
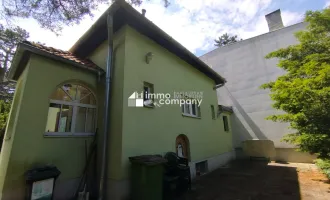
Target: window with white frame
(148, 91)
(72, 112)
(191, 109)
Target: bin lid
(148, 159)
(41, 173)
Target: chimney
(274, 20)
(144, 12)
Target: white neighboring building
(245, 68)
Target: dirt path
(258, 180)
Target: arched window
(72, 112)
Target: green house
(60, 98)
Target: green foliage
(9, 38)
(54, 14)
(324, 165)
(226, 39)
(4, 114)
(303, 93)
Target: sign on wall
(42, 190)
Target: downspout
(106, 122)
(218, 86)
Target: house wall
(137, 131)
(10, 130)
(99, 57)
(246, 69)
(25, 146)
(154, 130)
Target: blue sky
(193, 23)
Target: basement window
(201, 168)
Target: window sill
(149, 106)
(191, 116)
(56, 134)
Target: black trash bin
(40, 182)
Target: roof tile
(64, 54)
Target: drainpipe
(106, 123)
(218, 86)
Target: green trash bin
(147, 177)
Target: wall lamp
(149, 57)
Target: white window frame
(187, 110)
(150, 90)
(75, 104)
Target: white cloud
(290, 18)
(327, 4)
(195, 24)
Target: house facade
(58, 108)
(244, 65)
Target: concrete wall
(245, 68)
(213, 162)
(25, 145)
(292, 155)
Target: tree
(9, 38)
(303, 93)
(4, 113)
(54, 14)
(226, 39)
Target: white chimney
(274, 20)
(144, 12)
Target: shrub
(324, 165)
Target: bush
(324, 165)
(4, 114)
(303, 92)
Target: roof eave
(122, 4)
(217, 77)
(112, 9)
(22, 49)
(226, 108)
(15, 62)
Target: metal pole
(106, 122)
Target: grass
(324, 165)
